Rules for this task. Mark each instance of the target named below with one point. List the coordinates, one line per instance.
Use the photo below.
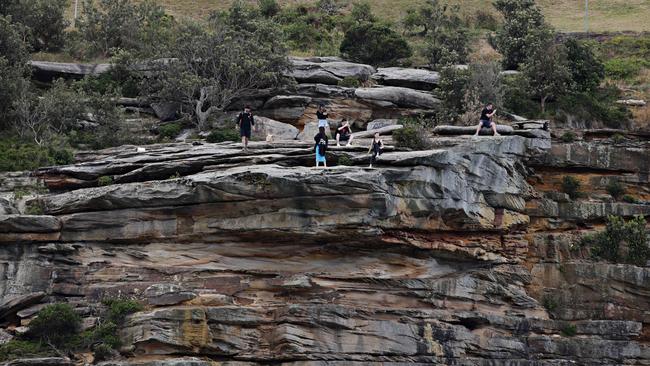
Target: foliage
(108, 25)
(118, 309)
(414, 135)
(625, 68)
(549, 303)
(546, 71)
(568, 137)
(446, 35)
(345, 161)
(105, 180)
(44, 21)
(569, 330)
(596, 105)
(13, 58)
(16, 155)
(452, 88)
(484, 85)
(350, 82)
(222, 135)
(587, 71)
(170, 130)
(17, 349)
(213, 66)
(374, 44)
(618, 138)
(618, 233)
(485, 19)
(523, 29)
(571, 186)
(102, 352)
(55, 324)
(615, 189)
(35, 207)
(629, 199)
(269, 8)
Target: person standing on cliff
(320, 148)
(321, 115)
(376, 148)
(486, 119)
(245, 123)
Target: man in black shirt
(486, 120)
(245, 123)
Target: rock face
(458, 255)
(408, 78)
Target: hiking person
(245, 123)
(321, 115)
(486, 120)
(377, 148)
(320, 148)
(344, 133)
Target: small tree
(587, 71)
(546, 71)
(55, 324)
(521, 30)
(375, 44)
(447, 36)
(44, 21)
(452, 89)
(216, 64)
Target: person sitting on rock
(321, 114)
(486, 120)
(344, 133)
(320, 148)
(245, 123)
(377, 148)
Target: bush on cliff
(571, 186)
(624, 241)
(615, 189)
(55, 325)
(16, 155)
(414, 134)
(374, 44)
(223, 135)
(18, 348)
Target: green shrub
(170, 130)
(549, 303)
(55, 324)
(102, 352)
(618, 138)
(118, 309)
(16, 155)
(607, 244)
(368, 43)
(345, 161)
(412, 136)
(16, 349)
(269, 8)
(350, 82)
(105, 180)
(569, 330)
(485, 19)
(615, 189)
(624, 68)
(596, 105)
(35, 207)
(223, 135)
(571, 186)
(629, 199)
(568, 137)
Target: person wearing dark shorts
(245, 123)
(344, 133)
(486, 120)
(377, 147)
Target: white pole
(76, 6)
(587, 16)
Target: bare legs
(493, 126)
(244, 141)
(338, 140)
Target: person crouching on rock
(245, 123)
(377, 148)
(486, 120)
(344, 133)
(321, 146)
(321, 114)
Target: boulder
(9, 306)
(5, 336)
(280, 131)
(284, 101)
(380, 123)
(392, 96)
(310, 130)
(165, 111)
(328, 71)
(29, 224)
(470, 130)
(382, 131)
(48, 71)
(6, 207)
(408, 78)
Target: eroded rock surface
(458, 255)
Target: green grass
(566, 15)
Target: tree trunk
(542, 103)
(201, 115)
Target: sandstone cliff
(460, 255)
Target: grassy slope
(566, 15)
